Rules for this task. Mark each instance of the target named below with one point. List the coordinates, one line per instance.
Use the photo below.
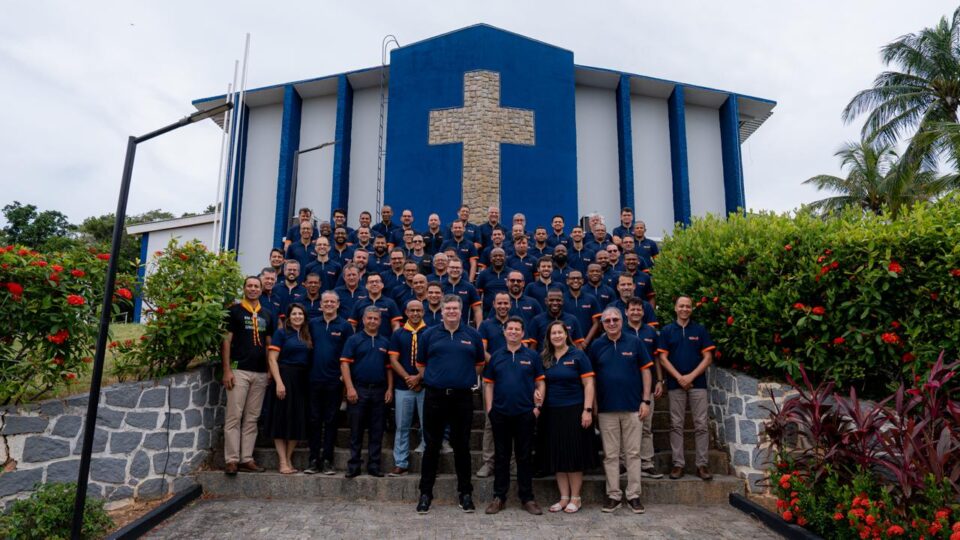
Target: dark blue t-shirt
(329, 272)
(468, 295)
(328, 340)
(302, 254)
(580, 258)
(648, 335)
(513, 375)
(491, 330)
(525, 307)
(349, 299)
(489, 283)
(293, 351)
(389, 313)
(647, 249)
(451, 358)
(286, 296)
(367, 357)
(565, 379)
(312, 306)
(585, 308)
(684, 348)
(617, 366)
(602, 293)
(465, 251)
(524, 265)
(293, 233)
(649, 315)
(538, 291)
(537, 330)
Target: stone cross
(481, 125)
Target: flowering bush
(185, 299)
(853, 298)
(846, 469)
(49, 309)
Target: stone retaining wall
(739, 406)
(150, 437)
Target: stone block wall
(739, 406)
(150, 437)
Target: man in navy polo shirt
(626, 225)
(622, 367)
(521, 260)
(276, 260)
(340, 221)
(579, 254)
(368, 379)
(583, 306)
(491, 330)
(626, 288)
(455, 284)
(540, 246)
(497, 241)
(439, 273)
(390, 316)
(416, 291)
(290, 290)
(305, 215)
(686, 352)
(561, 264)
(329, 333)
(642, 281)
(452, 360)
(380, 256)
(406, 224)
(366, 220)
(493, 279)
(351, 291)
(328, 269)
(269, 299)
(433, 237)
(485, 231)
(469, 229)
(537, 332)
(510, 379)
(302, 249)
(539, 287)
(386, 226)
(599, 239)
(647, 248)
(364, 239)
(520, 304)
(405, 345)
(557, 236)
(648, 335)
(433, 309)
(595, 286)
(311, 302)
(341, 252)
(464, 247)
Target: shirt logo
(694, 338)
(381, 349)
(628, 353)
(568, 363)
(338, 334)
(524, 362)
(466, 342)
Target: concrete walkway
(287, 520)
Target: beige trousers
(620, 431)
(646, 441)
(244, 402)
(698, 398)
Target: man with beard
(537, 331)
(561, 264)
(290, 291)
(311, 302)
(380, 256)
(328, 269)
(464, 247)
(596, 287)
(582, 305)
(341, 252)
(521, 305)
(493, 279)
(579, 254)
(455, 284)
(540, 246)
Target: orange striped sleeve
(540, 378)
(587, 375)
(345, 360)
(710, 348)
(486, 380)
(273, 348)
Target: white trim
(171, 224)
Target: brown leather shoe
(230, 469)
(495, 506)
(250, 466)
(676, 473)
(704, 474)
(533, 508)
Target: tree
(923, 93)
(27, 226)
(879, 181)
(98, 230)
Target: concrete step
(718, 461)
(688, 490)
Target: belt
(450, 391)
(373, 386)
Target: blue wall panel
(340, 192)
(678, 156)
(625, 142)
(732, 164)
(539, 180)
(289, 145)
(240, 168)
(141, 273)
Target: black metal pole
(93, 402)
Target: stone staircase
(271, 484)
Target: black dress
(562, 444)
(288, 418)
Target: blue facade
(289, 146)
(141, 273)
(625, 142)
(237, 161)
(678, 156)
(340, 191)
(730, 147)
(534, 76)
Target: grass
(118, 332)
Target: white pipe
(239, 109)
(218, 199)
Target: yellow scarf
(254, 318)
(413, 341)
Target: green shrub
(48, 514)
(185, 301)
(854, 298)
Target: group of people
(558, 331)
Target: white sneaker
(420, 449)
(446, 448)
(485, 471)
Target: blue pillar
(289, 145)
(239, 168)
(340, 194)
(732, 163)
(141, 275)
(625, 142)
(678, 156)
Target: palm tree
(923, 93)
(879, 181)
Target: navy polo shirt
(286, 296)
(432, 242)
(349, 299)
(467, 293)
(401, 294)
(293, 233)
(401, 343)
(644, 285)
(451, 358)
(384, 230)
(648, 250)
(485, 254)
(342, 257)
(620, 231)
(602, 293)
(392, 282)
(464, 248)
(388, 313)
(514, 376)
(293, 351)
(271, 302)
(379, 263)
(538, 291)
(649, 315)
(648, 336)
(537, 331)
(565, 379)
(434, 278)
(302, 254)
(524, 265)
(489, 283)
(585, 308)
(485, 231)
(525, 307)
(367, 357)
(432, 318)
(554, 239)
(580, 258)
(329, 272)
(684, 348)
(470, 232)
(396, 236)
(328, 340)
(559, 275)
(538, 252)
(618, 365)
(312, 306)
(491, 331)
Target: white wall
(363, 154)
(260, 188)
(598, 169)
(705, 159)
(158, 240)
(652, 174)
(318, 124)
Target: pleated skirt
(288, 418)
(562, 444)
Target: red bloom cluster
(56, 268)
(41, 264)
(890, 338)
(799, 305)
(788, 247)
(955, 272)
(59, 337)
(103, 256)
(730, 320)
(839, 340)
(15, 290)
(895, 267)
(77, 273)
(75, 300)
(908, 357)
(818, 310)
(125, 294)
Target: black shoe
(466, 503)
(424, 505)
(327, 468)
(375, 474)
(636, 505)
(314, 468)
(352, 474)
(609, 505)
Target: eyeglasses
(515, 280)
(610, 321)
(418, 241)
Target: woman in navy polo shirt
(289, 363)
(565, 443)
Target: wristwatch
(588, 409)
(645, 401)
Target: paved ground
(271, 519)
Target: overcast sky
(76, 80)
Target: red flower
(114, 344)
(943, 513)
(934, 296)
(895, 530)
(54, 277)
(58, 360)
(915, 392)
(955, 272)
(716, 299)
(158, 253)
(890, 338)
(837, 516)
(59, 337)
(895, 267)
(895, 324)
(23, 252)
(819, 310)
(730, 320)
(71, 376)
(57, 268)
(871, 520)
(161, 311)
(15, 289)
(75, 300)
(788, 516)
(103, 256)
(124, 293)
(825, 269)
(799, 305)
(788, 247)
(801, 521)
(834, 265)
(77, 273)
(908, 357)
(781, 504)
(821, 258)
(87, 360)
(935, 527)
(828, 252)
(776, 338)
(839, 340)
(183, 257)
(41, 264)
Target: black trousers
(440, 408)
(513, 434)
(325, 401)
(367, 414)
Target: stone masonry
(739, 406)
(150, 437)
(481, 125)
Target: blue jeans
(406, 400)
